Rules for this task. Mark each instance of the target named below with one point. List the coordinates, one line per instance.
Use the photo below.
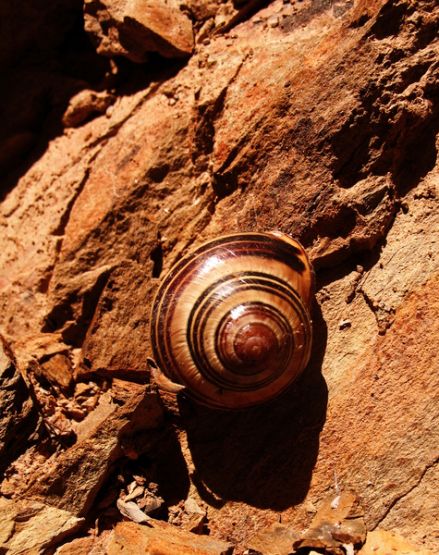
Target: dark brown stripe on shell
(248, 244)
(196, 324)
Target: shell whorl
(231, 322)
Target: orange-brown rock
(122, 426)
(89, 545)
(27, 526)
(314, 118)
(382, 542)
(277, 539)
(162, 539)
(338, 523)
(86, 105)
(134, 28)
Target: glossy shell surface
(231, 322)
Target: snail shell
(231, 320)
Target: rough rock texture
(89, 545)
(31, 527)
(337, 524)
(118, 426)
(129, 538)
(132, 28)
(381, 542)
(275, 540)
(316, 118)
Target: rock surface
(31, 527)
(314, 118)
(129, 538)
(381, 542)
(337, 527)
(278, 539)
(72, 479)
(134, 28)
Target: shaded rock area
(133, 131)
(18, 417)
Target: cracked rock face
(317, 119)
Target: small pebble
(344, 324)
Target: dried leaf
(131, 510)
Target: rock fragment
(337, 527)
(58, 370)
(131, 539)
(88, 545)
(139, 502)
(275, 540)
(381, 542)
(189, 516)
(73, 478)
(84, 105)
(27, 526)
(134, 28)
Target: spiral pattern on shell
(231, 320)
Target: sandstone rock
(130, 538)
(420, 501)
(339, 523)
(72, 479)
(58, 369)
(90, 545)
(324, 126)
(30, 527)
(133, 28)
(84, 105)
(382, 542)
(278, 539)
(189, 515)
